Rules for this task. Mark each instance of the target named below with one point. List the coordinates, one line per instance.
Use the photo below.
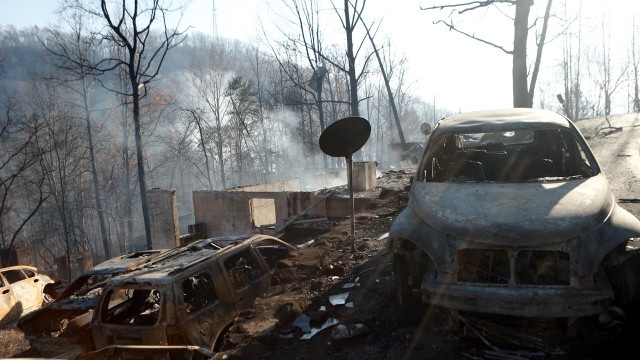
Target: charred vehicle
(23, 290)
(62, 326)
(509, 213)
(188, 298)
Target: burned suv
(187, 296)
(62, 327)
(509, 213)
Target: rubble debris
(329, 323)
(348, 331)
(303, 322)
(353, 284)
(534, 333)
(287, 312)
(306, 244)
(319, 317)
(339, 299)
(123, 351)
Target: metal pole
(350, 185)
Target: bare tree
(386, 80)
(128, 26)
(259, 69)
(571, 69)
(64, 161)
(74, 52)
(522, 90)
(635, 63)
(608, 83)
(336, 70)
(243, 111)
(209, 78)
(21, 173)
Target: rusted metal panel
(8, 309)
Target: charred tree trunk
(94, 173)
(521, 30)
(351, 59)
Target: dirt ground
(332, 265)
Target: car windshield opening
(510, 156)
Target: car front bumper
(518, 301)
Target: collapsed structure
(263, 208)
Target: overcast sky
(457, 73)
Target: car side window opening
(243, 268)
(14, 276)
(138, 307)
(272, 252)
(198, 291)
(506, 156)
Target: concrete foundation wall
(294, 184)
(340, 207)
(163, 217)
(230, 212)
(364, 176)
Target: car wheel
(221, 342)
(49, 293)
(625, 284)
(404, 290)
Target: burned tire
(625, 281)
(404, 288)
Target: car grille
(530, 267)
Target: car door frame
(245, 296)
(8, 309)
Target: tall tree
(608, 82)
(74, 52)
(21, 173)
(64, 160)
(635, 63)
(208, 78)
(127, 25)
(522, 90)
(243, 110)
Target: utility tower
(215, 22)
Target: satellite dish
(425, 128)
(345, 136)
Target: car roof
(122, 263)
(502, 120)
(19, 267)
(163, 269)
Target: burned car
(188, 298)
(510, 214)
(62, 326)
(22, 290)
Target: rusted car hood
(514, 214)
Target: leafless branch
(469, 6)
(471, 36)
